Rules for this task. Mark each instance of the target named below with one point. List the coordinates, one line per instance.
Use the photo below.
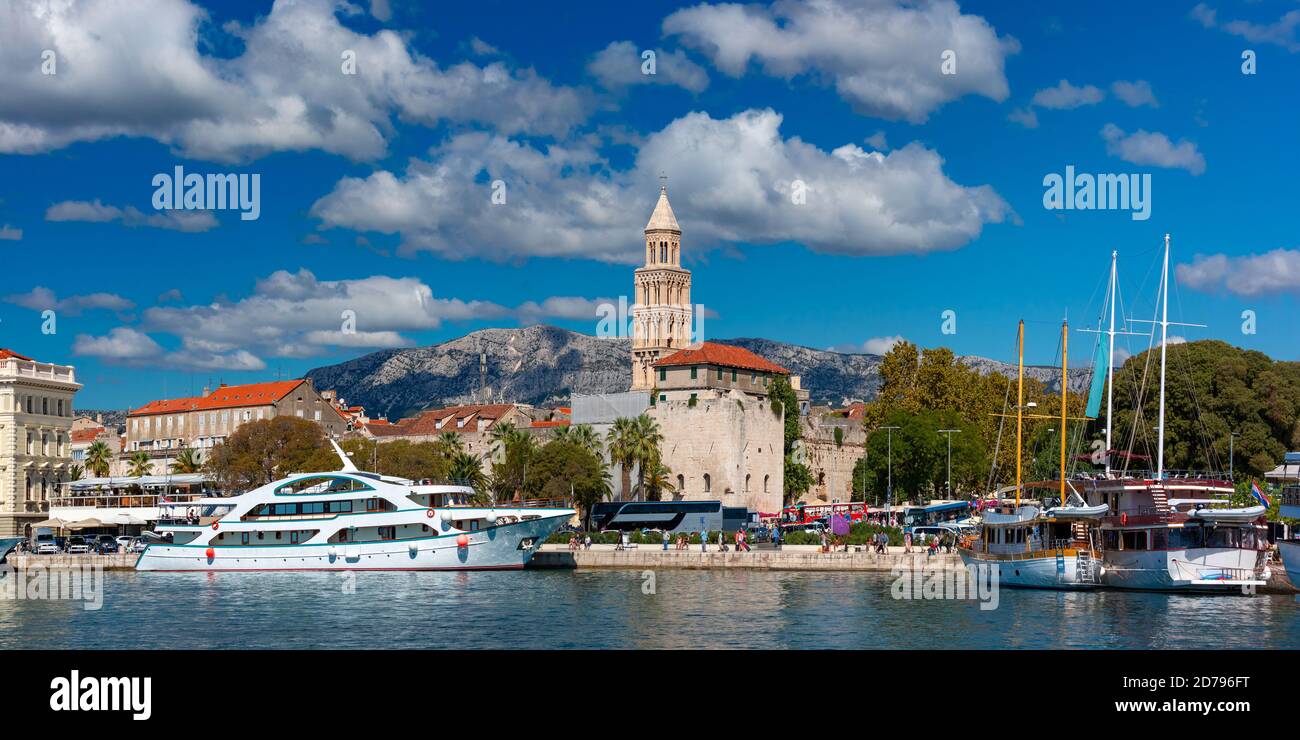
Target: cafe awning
(85, 524)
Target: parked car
(138, 545)
(47, 546)
(77, 545)
(106, 545)
(124, 542)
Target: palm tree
(76, 472)
(187, 461)
(621, 444)
(448, 443)
(97, 458)
(647, 438)
(139, 466)
(467, 468)
(585, 437)
(658, 479)
(505, 436)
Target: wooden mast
(1020, 400)
(1065, 338)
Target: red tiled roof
(710, 353)
(560, 423)
(225, 397)
(7, 353)
(426, 423)
(87, 435)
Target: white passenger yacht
(351, 520)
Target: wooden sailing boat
(1029, 546)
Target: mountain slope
(544, 365)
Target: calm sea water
(608, 609)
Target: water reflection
(610, 610)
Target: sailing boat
(1172, 532)
(1030, 546)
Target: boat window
(1182, 538)
(1159, 539)
(1135, 540)
(1223, 537)
(317, 484)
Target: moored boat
(351, 520)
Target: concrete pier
(118, 561)
(790, 557)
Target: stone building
(662, 313)
(726, 448)
(163, 428)
(35, 445)
(830, 456)
(473, 423)
(710, 368)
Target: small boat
(351, 520)
(1290, 508)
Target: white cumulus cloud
(1152, 148)
(733, 180)
(620, 65)
(1276, 271)
(883, 57)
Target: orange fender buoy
(1123, 518)
(211, 553)
(462, 541)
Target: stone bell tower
(661, 315)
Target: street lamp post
(889, 466)
(949, 433)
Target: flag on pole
(1259, 495)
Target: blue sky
(925, 190)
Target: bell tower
(661, 315)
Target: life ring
(1123, 518)
(214, 526)
(430, 513)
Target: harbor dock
(789, 557)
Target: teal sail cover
(1098, 380)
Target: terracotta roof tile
(87, 435)
(711, 353)
(225, 397)
(7, 353)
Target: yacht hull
(1199, 570)
(502, 547)
(1290, 551)
(1046, 571)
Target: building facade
(35, 438)
(661, 314)
(163, 428)
(711, 369)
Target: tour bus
(804, 514)
(936, 512)
(673, 516)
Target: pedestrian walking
(665, 540)
(704, 541)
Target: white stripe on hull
(1032, 573)
(493, 548)
(1180, 570)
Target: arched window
(765, 480)
(708, 483)
(681, 483)
(746, 482)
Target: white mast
(1110, 362)
(1164, 337)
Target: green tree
(98, 458)
(76, 472)
(621, 445)
(565, 469)
(646, 440)
(514, 450)
(187, 461)
(259, 452)
(449, 443)
(139, 465)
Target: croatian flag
(1259, 495)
